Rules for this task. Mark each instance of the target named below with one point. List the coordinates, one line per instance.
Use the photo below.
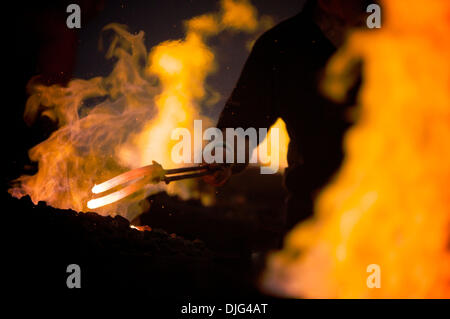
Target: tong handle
(198, 171)
(169, 179)
(185, 169)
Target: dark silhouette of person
(281, 79)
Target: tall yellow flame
(280, 149)
(145, 97)
(390, 203)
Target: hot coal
(114, 258)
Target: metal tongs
(136, 179)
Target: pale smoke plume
(143, 99)
(390, 203)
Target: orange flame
(146, 96)
(274, 155)
(390, 203)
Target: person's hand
(220, 176)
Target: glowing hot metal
(139, 177)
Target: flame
(264, 157)
(390, 203)
(108, 125)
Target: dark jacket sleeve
(252, 102)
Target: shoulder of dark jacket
(298, 31)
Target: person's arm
(252, 102)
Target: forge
(151, 233)
(189, 249)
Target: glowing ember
(116, 196)
(390, 203)
(141, 228)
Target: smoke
(390, 203)
(122, 121)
